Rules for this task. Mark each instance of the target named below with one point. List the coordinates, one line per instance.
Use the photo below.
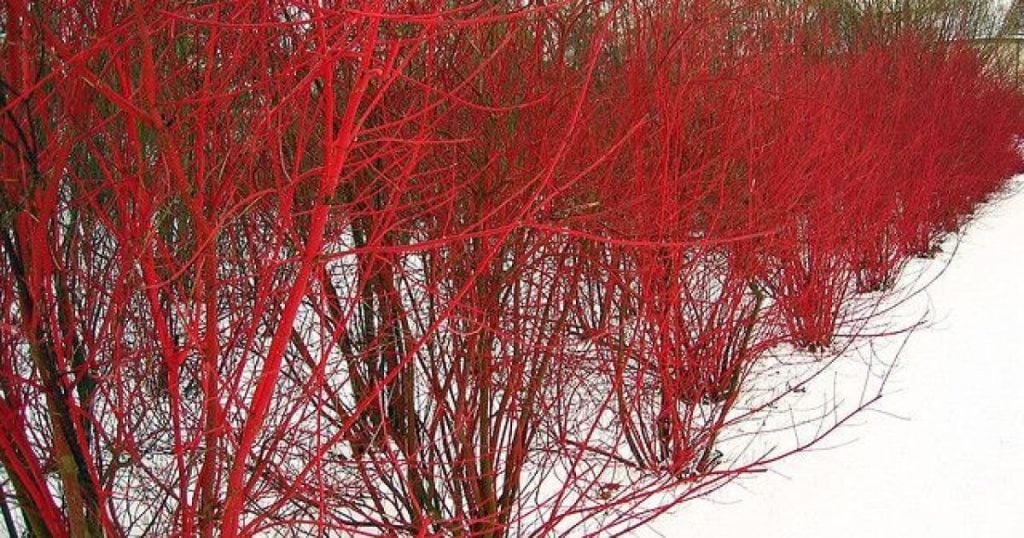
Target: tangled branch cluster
(443, 268)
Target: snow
(941, 453)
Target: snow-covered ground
(945, 456)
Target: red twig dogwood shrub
(442, 268)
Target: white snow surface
(942, 453)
